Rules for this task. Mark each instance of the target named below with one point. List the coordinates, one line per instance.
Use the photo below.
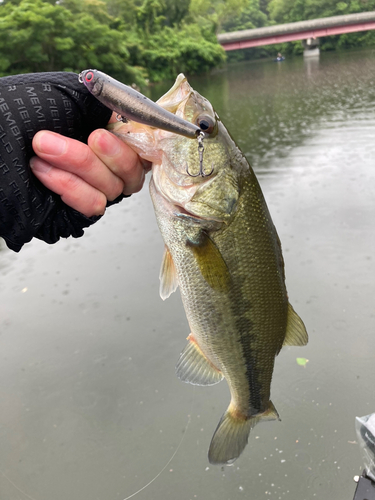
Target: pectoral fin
(295, 330)
(211, 263)
(168, 275)
(194, 368)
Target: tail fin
(232, 434)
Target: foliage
(135, 40)
(38, 36)
(130, 39)
(216, 11)
(287, 11)
(302, 361)
(249, 17)
(172, 51)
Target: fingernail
(39, 165)
(107, 143)
(50, 143)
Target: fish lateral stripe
(256, 389)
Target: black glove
(29, 103)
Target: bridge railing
(297, 31)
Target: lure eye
(89, 76)
(206, 124)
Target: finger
(74, 191)
(113, 118)
(77, 158)
(120, 158)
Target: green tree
(251, 16)
(216, 12)
(150, 16)
(176, 11)
(124, 11)
(285, 11)
(176, 50)
(129, 39)
(165, 40)
(38, 36)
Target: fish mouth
(175, 99)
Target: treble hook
(201, 172)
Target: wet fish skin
(223, 251)
(133, 105)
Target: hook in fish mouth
(201, 172)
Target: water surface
(90, 405)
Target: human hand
(86, 176)
(77, 180)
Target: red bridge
(303, 30)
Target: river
(91, 408)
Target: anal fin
(296, 333)
(194, 368)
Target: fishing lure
(129, 104)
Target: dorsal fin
(295, 330)
(168, 275)
(194, 368)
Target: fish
(223, 252)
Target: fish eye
(206, 123)
(89, 76)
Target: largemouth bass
(222, 250)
